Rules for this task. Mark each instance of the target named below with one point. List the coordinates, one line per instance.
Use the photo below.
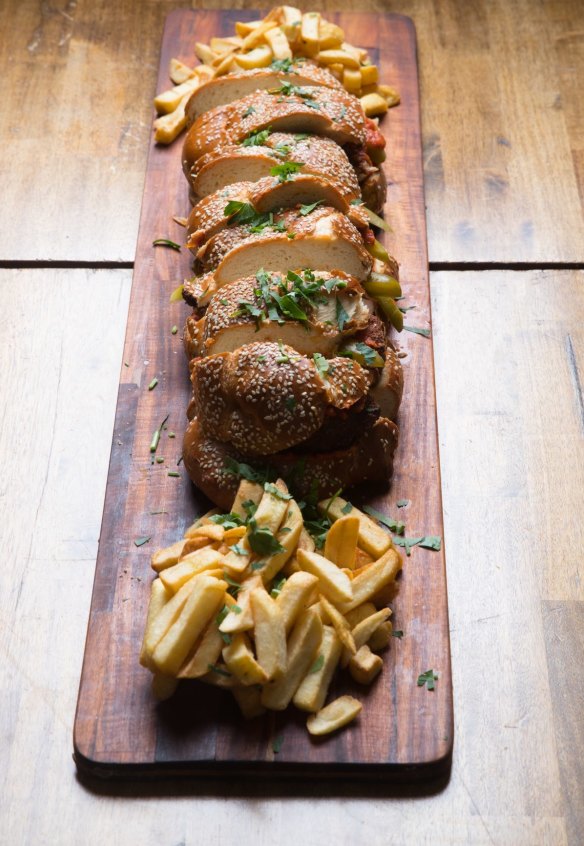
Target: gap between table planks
(405, 731)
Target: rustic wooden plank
(564, 639)
(118, 724)
(503, 126)
(514, 709)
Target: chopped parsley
(244, 471)
(347, 508)
(228, 521)
(418, 330)
(321, 363)
(257, 139)
(213, 668)
(275, 491)
(277, 744)
(428, 678)
(397, 633)
(238, 549)
(153, 384)
(282, 65)
(318, 665)
(392, 525)
(142, 541)
(250, 507)
(341, 316)
(426, 542)
(249, 111)
(285, 170)
(310, 207)
(165, 242)
(277, 586)
(401, 503)
(362, 353)
(262, 540)
(301, 136)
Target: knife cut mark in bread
(324, 239)
(368, 459)
(320, 111)
(235, 86)
(298, 309)
(252, 161)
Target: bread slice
(234, 86)
(212, 465)
(387, 392)
(324, 239)
(265, 397)
(251, 162)
(270, 194)
(238, 314)
(319, 111)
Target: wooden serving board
(404, 731)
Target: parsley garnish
(418, 330)
(321, 363)
(234, 587)
(392, 525)
(277, 744)
(250, 507)
(283, 65)
(221, 615)
(277, 586)
(238, 549)
(318, 665)
(228, 521)
(213, 668)
(275, 491)
(426, 542)
(165, 242)
(262, 540)
(428, 678)
(284, 171)
(362, 353)
(401, 503)
(283, 358)
(347, 508)
(244, 471)
(301, 136)
(257, 139)
(249, 111)
(341, 316)
(304, 210)
(142, 541)
(397, 633)
(290, 403)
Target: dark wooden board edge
(438, 767)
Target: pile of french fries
(245, 602)
(285, 33)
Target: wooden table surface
(503, 125)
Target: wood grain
(119, 730)
(516, 776)
(502, 119)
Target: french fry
(374, 105)
(165, 619)
(169, 100)
(278, 43)
(225, 63)
(225, 45)
(236, 561)
(352, 80)
(360, 613)
(175, 577)
(330, 36)
(234, 535)
(367, 584)
(291, 22)
(363, 631)
(206, 653)
(273, 506)
(372, 538)
(240, 661)
(334, 716)
(159, 596)
(253, 38)
(168, 556)
(202, 603)
(269, 633)
(212, 531)
(167, 127)
(340, 624)
(243, 28)
(365, 666)
(309, 33)
(248, 492)
(369, 74)
(179, 72)
(390, 95)
(204, 53)
(302, 650)
(203, 520)
(287, 536)
(295, 596)
(314, 687)
(341, 541)
(381, 637)
(333, 583)
(338, 57)
(240, 617)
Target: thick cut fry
(309, 33)
(240, 661)
(225, 45)
(234, 534)
(179, 72)
(287, 536)
(362, 559)
(302, 650)
(372, 538)
(367, 584)
(203, 520)
(365, 666)
(369, 74)
(253, 38)
(236, 561)
(206, 653)
(219, 676)
(360, 613)
(159, 596)
(314, 687)
(381, 637)
(204, 53)
(269, 633)
(291, 22)
(167, 127)
(296, 596)
(389, 94)
(352, 80)
(305, 541)
(330, 36)
(338, 57)
(165, 618)
(341, 542)
(243, 28)
(225, 64)
(211, 531)
(202, 603)
(272, 508)
(240, 617)
(249, 493)
(173, 578)
(342, 628)
(333, 583)
(279, 44)
(363, 631)
(374, 104)
(334, 716)
(163, 686)
(249, 700)
(167, 557)
(169, 100)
